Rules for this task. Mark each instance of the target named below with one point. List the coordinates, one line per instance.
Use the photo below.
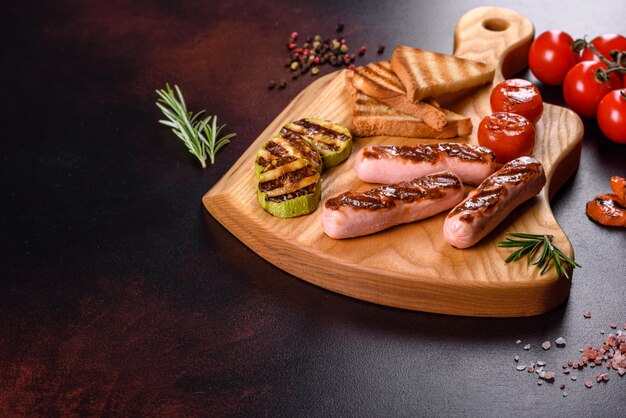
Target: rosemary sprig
(200, 136)
(529, 245)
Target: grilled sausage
(487, 205)
(391, 164)
(353, 214)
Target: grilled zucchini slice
(282, 150)
(333, 141)
(288, 171)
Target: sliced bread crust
(377, 80)
(372, 117)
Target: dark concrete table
(122, 296)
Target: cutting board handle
(497, 36)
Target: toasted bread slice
(377, 80)
(371, 117)
(431, 74)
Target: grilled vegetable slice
(333, 141)
(288, 170)
(282, 150)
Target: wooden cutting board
(411, 266)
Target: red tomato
(612, 116)
(604, 44)
(508, 135)
(517, 96)
(551, 57)
(582, 90)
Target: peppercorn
(340, 27)
(271, 85)
(291, 45)
(317, 38)
(335, 44)
(294, 66)
(381, 49)
(351, 67)
(294, 35)
(294, 76)
(362, 51)
(344, 48)
(315, 70)
(282, 84)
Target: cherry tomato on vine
(517, 96)
(551, 57)
(604, 44)
(583, 91)
(507, 134)
(612, 116)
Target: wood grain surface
(411, 266)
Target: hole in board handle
(495, 24)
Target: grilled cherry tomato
(583, 91)
(604, 44)
(508, 135)
(612, 116)
(517, 96)
(551, 57)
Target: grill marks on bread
(431, 74)
(378, 80)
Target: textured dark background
(121, 295)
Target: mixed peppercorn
(316, 51)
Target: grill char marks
(489, 204)
(284, 149)
(324, 137)
(428, 187)
(287, 178)
(387, 164)
(430, 74)
(378, 80)
(430, 153)
(332, 140)
(495, 188)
